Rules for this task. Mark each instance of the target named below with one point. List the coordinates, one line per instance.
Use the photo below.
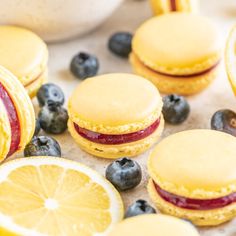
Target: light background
(127, 18)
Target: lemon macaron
(25, 55)
(17, 118)
(167, 6)
(178, 52)
(193, 176)
(115, 115)
(154, 225)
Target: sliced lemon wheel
(55, 196)
(230, 58)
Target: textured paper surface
(128, 17)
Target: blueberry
(50, 93)
(124, 174)
(140, 207)
(175, 109)
(84, 65)
(53, 119)
(37, 127)
(224, 120)
(120, 43)
(42, 146)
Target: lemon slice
(55, 196)
(230, 58)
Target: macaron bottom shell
(23, 107)
(33, 87)
(170, 84)
(198, 217)
(120, 150)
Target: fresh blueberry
(37, 127)
(124, 174)
(175, 109)
(53, 119)
(42, 146)
(140, 207)
(120, 43)
(84, 65)
(50, 93)
(224, 120)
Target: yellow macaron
(162, 7)
(25, 55)
(178, 52)
(17, 119)
(154, 225)
(115, 115)
(193, 176)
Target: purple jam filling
(13, 119)
(173, 6)
(116, 139)
(195, 204)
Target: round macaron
(25, 55)
(162, 7)
(17, 119)
(115, 115)
(193, 176)
(178, 52)
(154, 225)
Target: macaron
(25, 55)
(17, 119)
(154, 225)
(115, 115)
(178, 52)
(193, 176)
(162, 7)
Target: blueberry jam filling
(116, 139)
(173, 6)
(195, 204)
(13, 119)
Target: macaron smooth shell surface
(25, 55)
(206, 161)
(24, 110)
(165, 46)
(154, 225)
(115, 104)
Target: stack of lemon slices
(55, 196)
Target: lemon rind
(230, 59)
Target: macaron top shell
(115, 104)
(177, 44)
(22, 52)
(154, 225)
(198, 164)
